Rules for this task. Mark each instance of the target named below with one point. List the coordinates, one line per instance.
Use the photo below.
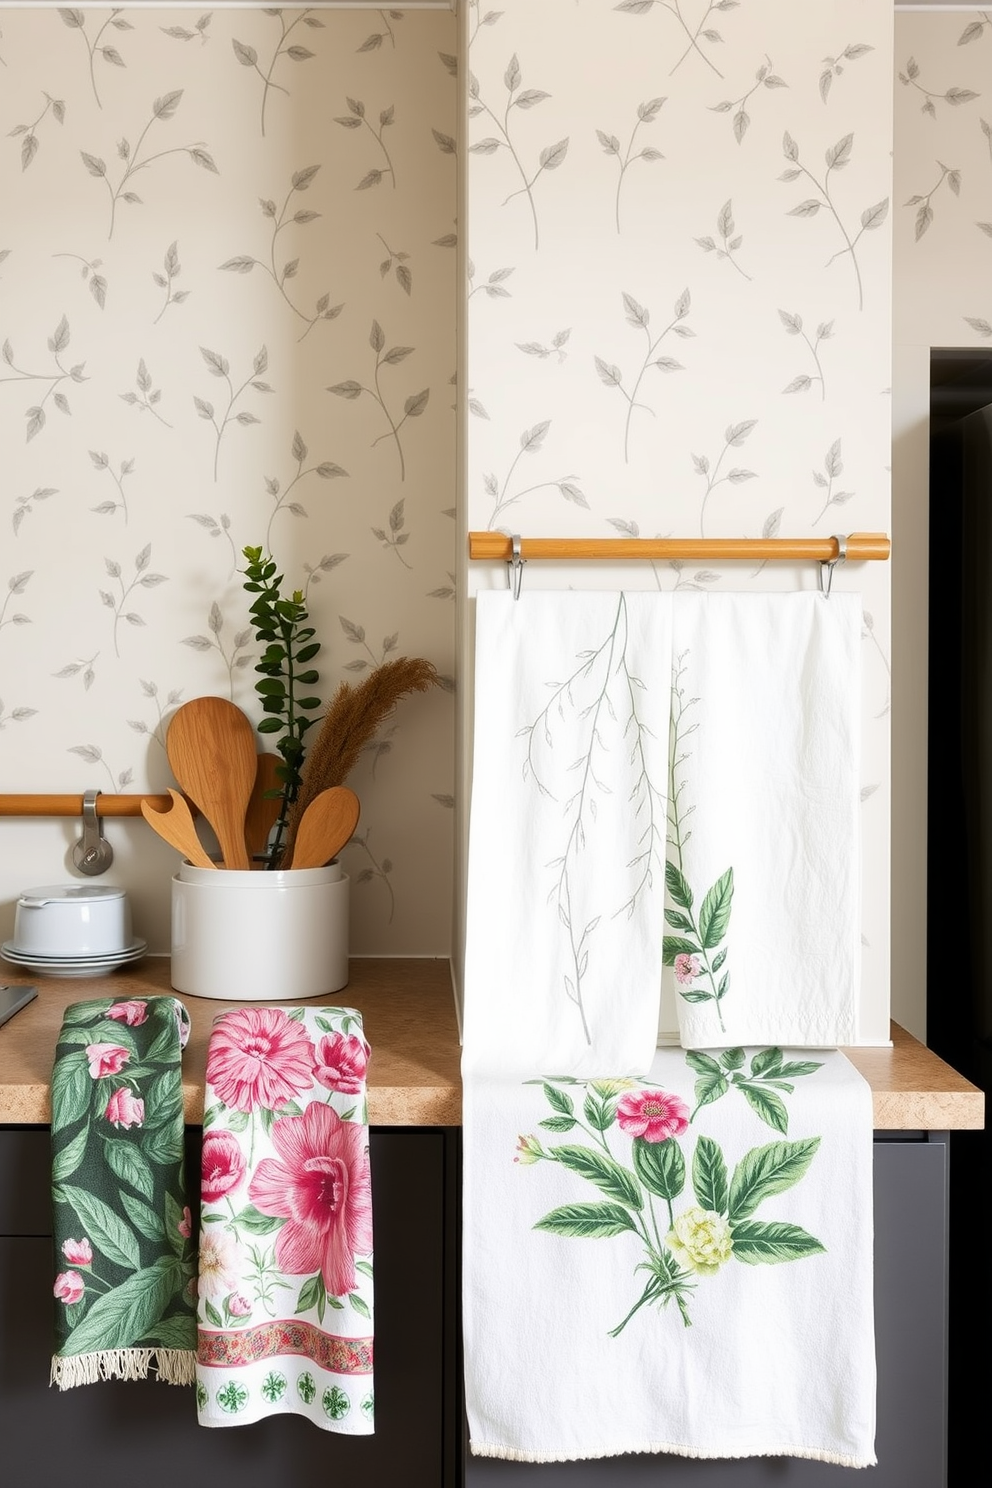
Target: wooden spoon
(211, 748)
(325, 826)
(176, 827)
(263, 811)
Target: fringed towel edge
(673, 1449)
(171, 1365)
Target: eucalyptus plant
(288, 644)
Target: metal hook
(515, 567)
(828, 565)
(92, 854)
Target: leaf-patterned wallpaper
(227, 317)
(942, 254)
(679, 276)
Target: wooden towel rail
(860, 547)
(72, 805)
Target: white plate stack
(73, 930)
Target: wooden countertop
(408, 1010)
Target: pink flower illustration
(259, 1057)
(321, 1186)
(132, 1013)
(185, 1225)
(222, 1165)
(239, 1306)
(78, 1252)
(69, 1287)
(341, 1062)
(653, 1114)
(125, 1109)
(106, 1059)
(686, 968)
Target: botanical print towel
(285, 1264)
(672, 1246)
(122, 1226)
(763, 868)
(675, 1262)
(568, 826)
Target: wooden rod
(62, 805)
(861, 547)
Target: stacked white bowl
(73, 929)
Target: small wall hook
(515, 567)
(829, 564)
(92, 854)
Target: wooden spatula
(211, 748)
(325, 826)
(263, 811)
(177, 828)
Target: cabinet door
(147, 1433)
(910, 1331)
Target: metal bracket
(515, 567)
(92, 854)
(829, 564)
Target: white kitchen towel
(284, 1320)
(568, 821)
(763, 906)
(679, 1263)
(623, 1291)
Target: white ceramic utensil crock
(257, 936)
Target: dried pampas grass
(353, 718)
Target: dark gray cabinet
(146, 1433)
(910, 1176)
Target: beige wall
(227, 311)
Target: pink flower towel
(285, 1261)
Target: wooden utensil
(211, 748)
(325, 826)
(263, 811)
(176, 827)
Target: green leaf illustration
(798, 1067)
(84, 1012)
(587, 1221)
(312, 1295)
(732, 1059)
(660, 1167)
(714, 916)
(768, 1170)
(709, 1088)
(674, 945)
(607, 1174)
(256, 1223)
(163, 1100)
(599, 1113)
(755, 1242)
(558, 1123)
(65, 1163)
(130, 1165)
(703, 1064)
(173, 1218)
(164, 1146)
(709, 1176)
(766, 1104)
(129, 1311)
(106, 1230)
(677, 886)
(177, 1332)
(144, 1219)
(71, 1086)
(359, 1304)
(559, 1100)
(677, 920)
(766, 1062)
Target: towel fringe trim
(171, 1365)
(812, 1454)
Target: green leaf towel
(124, 1257)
